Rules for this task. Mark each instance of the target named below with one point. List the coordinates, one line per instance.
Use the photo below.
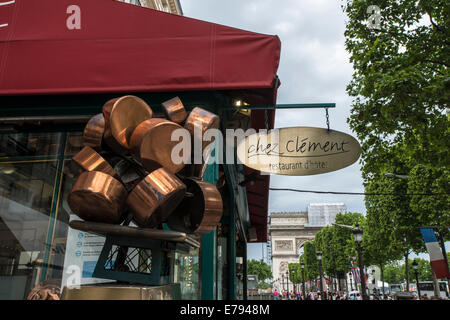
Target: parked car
(403, 295)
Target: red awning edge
(125, 48)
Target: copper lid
(155, 198)
(97, 197)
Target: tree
(431, 210)
(401, 80)
(310, 259)
(395, 272)
(295, 277)
(261, 269)
(337, 244)
(400, 91)
(380, 243)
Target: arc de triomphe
(288, 231)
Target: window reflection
(26, 192)
(186, 272)
(29, 144)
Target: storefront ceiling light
(7, 168)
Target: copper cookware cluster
(143, 181)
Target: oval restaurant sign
(298, 151)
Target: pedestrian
(275, 294)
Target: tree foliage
(310, 259)
(401, 91)
(395, 272)
(259, 268)
(401, 81)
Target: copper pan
(89, 160)
(122, 115)
(155, 198)
(93, 132)
(200, 213)
(174, 110)
(97, 197)
(200, 120)
(151, 143)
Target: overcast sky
(314, 67)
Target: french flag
(437, 260)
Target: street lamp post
(293, 278)
(358, 235)
(355, 280)
(303, 279)
(351, 281)
(415, 267)
(287, 281)
(319, 257)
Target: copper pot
(151, 143)
(155, 198)
(122, 116)
(93, 132)
(200, 213)
(200, 120)
(97, 197)
(174, 110)
(87, 159)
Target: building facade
(288, 231)
(169, 6)
(324, 214)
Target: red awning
(124, 48)
(106, 46)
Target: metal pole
(287, 283)
(321, 278)
(361, 271)
(417, 283)
(351, 280)
(441, 242)
(304, 293)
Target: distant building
(170, 6)
(324, 214)
(288, 231)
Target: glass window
(34, 213)
(222, 268)
(74, 143)
(26, 193)
(186, 272)
(29, 144)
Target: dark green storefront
(39, 136)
